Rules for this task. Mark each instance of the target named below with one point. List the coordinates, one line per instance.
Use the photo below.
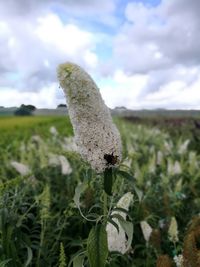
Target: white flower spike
(179, 260)
(117, 241)
(97, 138)
(173, 230)
(22, 169)
(146, 230)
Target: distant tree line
(25, 110)
(62, 106)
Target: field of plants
(50, 199)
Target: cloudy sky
(142, 54)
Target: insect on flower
(111, 159)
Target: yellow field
(12, 122)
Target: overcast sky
(142, 54)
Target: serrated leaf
(97, 246)
(108, 181)
(78, 191)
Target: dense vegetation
(40, 224)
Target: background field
(39, 222)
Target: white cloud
(35, 48)
(158, 37)
(126, 91)
(69, 39)
(122, 90)
(99, 11)
(174, 94)
(47, 97)
(152, 60)
(75, 43)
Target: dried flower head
(155, 239)
(96, 136)
(164, 261)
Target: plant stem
(43, 227)
(105, 202)
(107, 190)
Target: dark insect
(111, 159)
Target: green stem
(107, 186)
(43, 227)
(105, 203)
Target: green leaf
(121, 210)
(78, 261)
(29, 256)
(117, 216)
(89, 174)
(139, 193)
(126, 175)
(127, 227)
(114, 224)
(78, 191)
(108, 180)
(79, 254)
(97, 246)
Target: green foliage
(40, 221)
(97, 246)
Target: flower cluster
(179, 260)
(97, 138)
